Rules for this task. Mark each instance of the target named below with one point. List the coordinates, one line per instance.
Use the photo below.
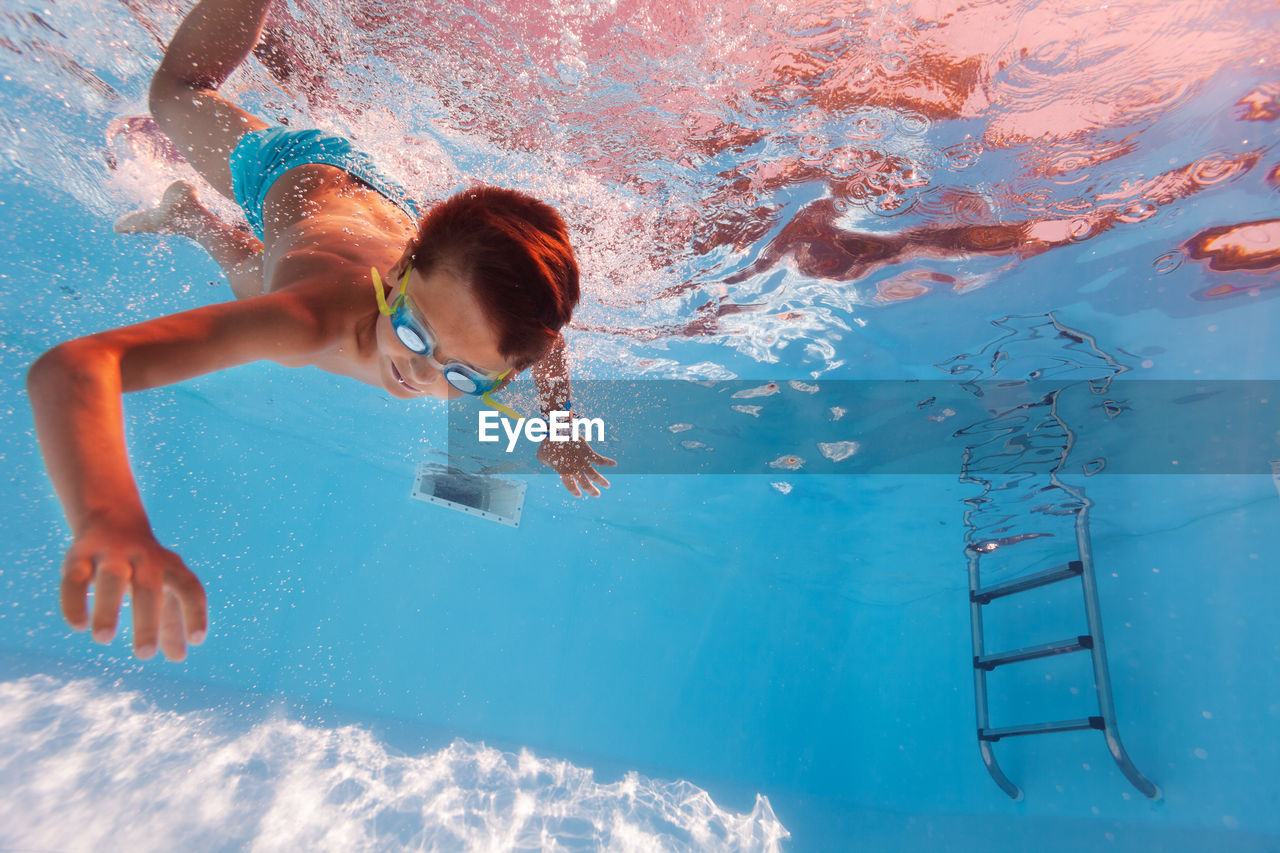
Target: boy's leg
(180, 212)
(212, 40)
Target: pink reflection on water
(661, 76)
(710, 111)
(820, 247)
(910, 284)
(1230, 248)
(1261, 104)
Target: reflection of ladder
(1092, 642)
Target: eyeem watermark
(557, 426)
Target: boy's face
(459, 326)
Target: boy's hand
(575, 462)
(168, 599)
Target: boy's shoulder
(327, 305)
(330, 308)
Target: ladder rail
(1101, 672)
(980, 681)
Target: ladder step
(993, 735)
(988, 594)
(1044, 650)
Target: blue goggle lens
(411, 339)
(458, 379)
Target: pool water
(865, 285)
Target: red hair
(513, 252)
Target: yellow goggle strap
(378, 289)
(494, 404)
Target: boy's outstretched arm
(75, 390)
(575, 461)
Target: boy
(480, 288)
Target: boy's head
(512, 251)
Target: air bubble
(1081, 229)
(787, 463)
(1139, 211)
(1168, 262)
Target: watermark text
(557, 426)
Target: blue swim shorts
(262, 156)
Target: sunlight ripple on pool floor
(92, 768)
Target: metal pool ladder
(1092, 642)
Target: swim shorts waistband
(262, 156)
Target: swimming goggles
(414, 333)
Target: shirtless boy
(344, 276)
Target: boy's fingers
(146, 619)
(600, 479)
(601, 459)
(570, 485)
(173, 640)
(109, 583)
(191, 596)
(584, 481)
(76, 574)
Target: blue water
(775, 659)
